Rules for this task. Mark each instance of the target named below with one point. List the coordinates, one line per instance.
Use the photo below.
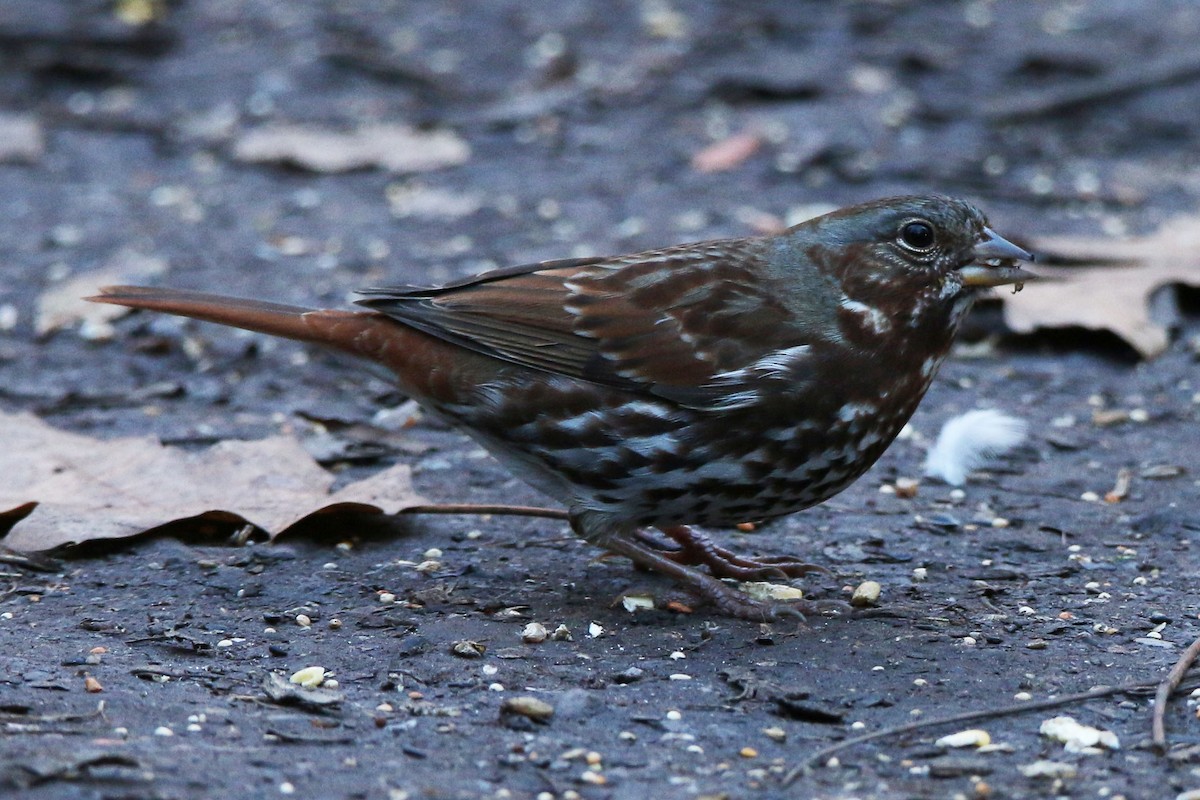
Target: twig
(1165, 689)
(474, 508)
(1131, 79)
(1003, 711)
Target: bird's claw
(695, 549)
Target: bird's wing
(676, 323)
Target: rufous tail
(357, 332)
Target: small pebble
(866, 594)
(534, 633)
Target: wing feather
(675, 323)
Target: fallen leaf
(397, 148)
(62, 305)
(64, 488)
(1112, 287)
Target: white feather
(969, 440)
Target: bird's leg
(696, 549)
(602, 531)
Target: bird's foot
(696, 549)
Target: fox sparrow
(708, 383)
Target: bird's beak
(995, 263)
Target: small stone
(468, 649)
(907, 487)
(534, 633)
(92, 685)
(303, 620)
(562, 634)
(866, 594)
(163, 730)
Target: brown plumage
(709, 383)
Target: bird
(705, 384)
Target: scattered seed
(1120, 488)
(163, 730)
(92, 685)
(309, 677)
(907, 487)
(1056, 770)
(775, 733)
(762, 590)
(1103, 417)
(633, 602)
(748, 752)
(525, 706)
(968, 738)
(1077, 738)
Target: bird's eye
(917, 235)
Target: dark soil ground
(1057, 117)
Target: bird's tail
(351, 331)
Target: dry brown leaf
(397, 148)
(63, 304)
(65, 488)
(1115, 298)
